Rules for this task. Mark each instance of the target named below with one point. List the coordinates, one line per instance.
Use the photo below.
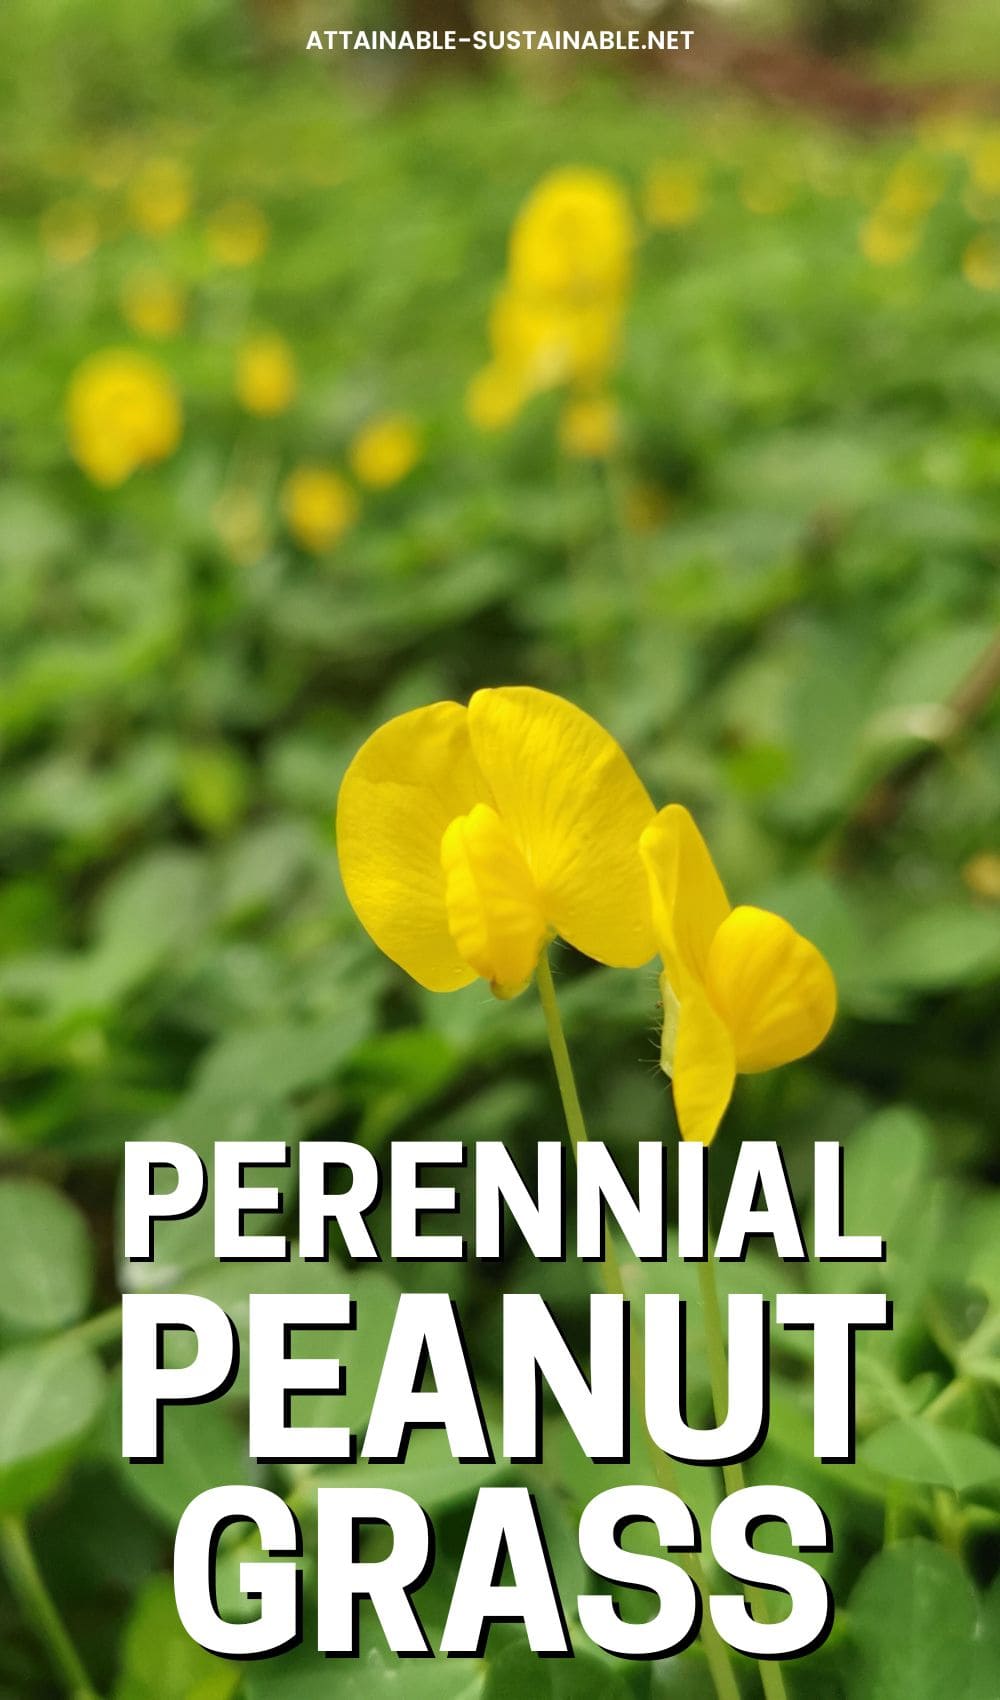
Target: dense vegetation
(774, 578)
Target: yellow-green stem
(28, 1586)
(772, 1681)
(716, 1652)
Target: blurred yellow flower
(887, 239)
(494, 397)
(557, 320)
(985, 163)
(590, 427)
(319, 506)
(152, 303)
(573, 237)
(914, 186)
(981, 874)
(674, 195)
(160, 196)
(553, 342)
(384, 451)
(237, 234)
(742, 990)
(266, 376)
(981, 260)
(69, 232)
(122, 413)
(241, 525)
(468, 837)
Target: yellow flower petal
(402, 790)
(494, 913)
(576, 809)
(689, 903)
(773, 989)
(704, 1068)
(385, 451)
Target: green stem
(772, 1681)
(27, 1584)
(716, 1652)
(948, 1396)
(99, 1330)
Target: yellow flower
(590, 427)
(237, 233)
(742, 990)
(152, 304)
(573, 237)
(266, 378)
(385, 451)
(319, 506)
(469, 836)
(673, 196)
(981, 874)
(552, 342)
(888, 239)
(557, 319)
(122, 413)
(981, 261)
(915, 185)
(160, 196)
(495, 396)
(985, 163)
(69, 231)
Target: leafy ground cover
(775, 580)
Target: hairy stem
(772, 1681)
(716, 1652)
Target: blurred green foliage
(770, 594)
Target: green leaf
(188, 1242)
(159, 1659)
(279, 1060)
(986, 1652)
(912, 1620)
(429, 1473)
(202, 1448)
(50, 1396)
(375, 1675)
(45, 1258)
(155, 907)
(516, 1673)
(889, 1189)
(913, 1449)
(949, 944)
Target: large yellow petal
(403, 788)
(689, 903)
(704, 1068)
(772, 987)
(494, 913)
(576, 809)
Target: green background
(771, 596)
